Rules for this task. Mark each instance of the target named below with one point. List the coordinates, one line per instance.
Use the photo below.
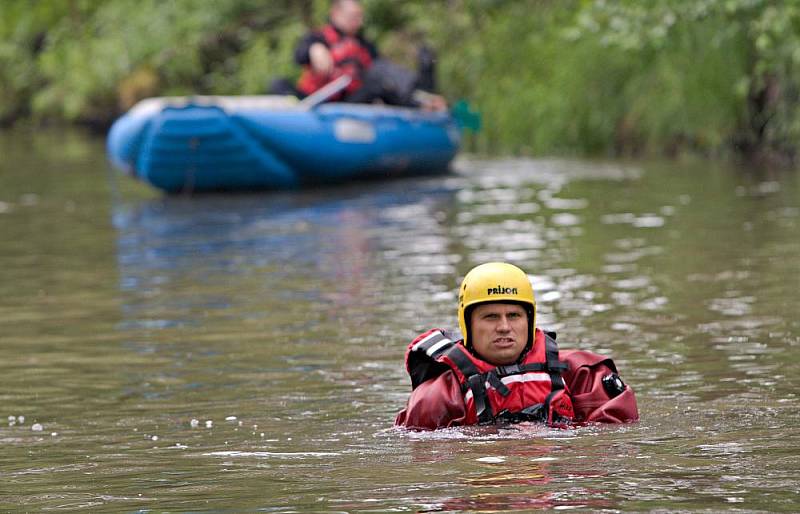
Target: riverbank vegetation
(577, 77)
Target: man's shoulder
(579, 358)
(451, 335)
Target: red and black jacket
(531, 390)
(352, 55)
(446, 378)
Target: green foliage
(621, 76)
(96, 53)
(21, 26)
(549, 76)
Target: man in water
(340, 49)
(504, 369)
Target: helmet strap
(468, 326)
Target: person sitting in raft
(339, 48)
(505, 369)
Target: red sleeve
(590, 399)
(436, 403)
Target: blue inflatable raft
(272, 142)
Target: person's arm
(302, 50)
(436, 403)
(321, 59)
(591, 399)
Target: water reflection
(520, 468)
(326, 250)
(338, 271)
(278, 322)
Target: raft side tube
(203, 148)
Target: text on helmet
(501, 290)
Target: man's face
(348, 16)
(499, 332)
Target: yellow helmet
(495, 282)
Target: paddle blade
(466, 118)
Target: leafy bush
(564, 77)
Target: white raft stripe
(527, 377)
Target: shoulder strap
(555, 368)
(551, 354)
(424, 363)
(476, 382)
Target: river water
(245, 352)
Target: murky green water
(279, 322)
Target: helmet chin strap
(531, 336)
(468, 327)
(531, 330)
